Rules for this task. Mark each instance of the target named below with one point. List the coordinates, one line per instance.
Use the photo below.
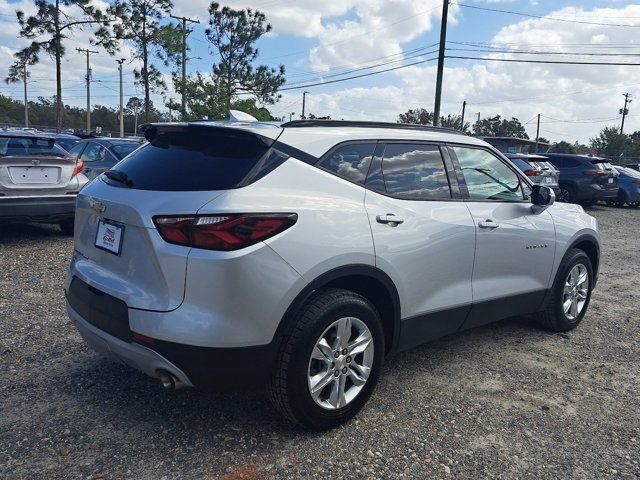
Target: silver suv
(299, 256)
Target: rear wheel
(571, 293)
(329, 361)
(66, 226)
(567, 194)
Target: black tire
(633, 204)
(588, 203)
(554, 317)
(567, 194)
(66, 227)
(288, 387)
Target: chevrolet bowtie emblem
(97, 206)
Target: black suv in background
(584, 179)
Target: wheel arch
(589, 245)
(366, 280)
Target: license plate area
(109, 236)
(38, 175)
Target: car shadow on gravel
(18, 232)
(103, 391)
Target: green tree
(48, 29)
(500, 127)
(562, 147)
(233, 34)
(419, 116)
(139, 22)
(610, 142)
(134, 106)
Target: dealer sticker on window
(109, 237)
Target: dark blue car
(585, 179)
(100, 154)
(629, 184)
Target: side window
(571, 163)
(487, 177)
(91, 153)
(350, 161)
(415, 172)
(75, 151)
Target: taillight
(595, 173)
(222, 232)
(532, 173)
(78, 168)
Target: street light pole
(304, 99)
(184, 20)
(26, 103)
(121, 98)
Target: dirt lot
(503, 401)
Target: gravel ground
(503, 401)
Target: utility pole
(443, 40)
(291, 115)
(304, 100)
(184, 21)
(121, 98)
(26, 104)
(537, 133)
(478, 124)
(88, 52)
(464, 107)
(624, 111)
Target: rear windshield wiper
(118, 177)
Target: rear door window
(350, 161)
(76, 150)
(415, 172)
(92, 153)
(197, 158)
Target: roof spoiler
(238, 116)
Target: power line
(360, 76)
(319, 77)
(532, 52)
(559, 62)
(543, 17)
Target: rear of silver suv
(299, 256)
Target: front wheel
(329, 361)
(571, 293)
(567, 194)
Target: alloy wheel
(576, 291)
(340, 363)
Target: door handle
(389, 218)
(488, 223)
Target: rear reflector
(222, 232)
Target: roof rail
(367, 124)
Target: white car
(299, 256)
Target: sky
(317, 41)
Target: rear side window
(603, 165)
(195, 159)
(415, 172)
(570, 163)
(350, 161)
(75, 151)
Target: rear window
(602, 165)
(195, 159)
(121, 150)
(14, 146)
(521, 164)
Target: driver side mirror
(542, 196)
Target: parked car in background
(301, 255)
(98, 155)
(38, 183)
(65, 140)
(633, 166)
(629, 188)
(584, 179)
(538, 169)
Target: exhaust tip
(167, 380)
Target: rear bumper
(46, 209)
(104, 323)
(132, 354)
